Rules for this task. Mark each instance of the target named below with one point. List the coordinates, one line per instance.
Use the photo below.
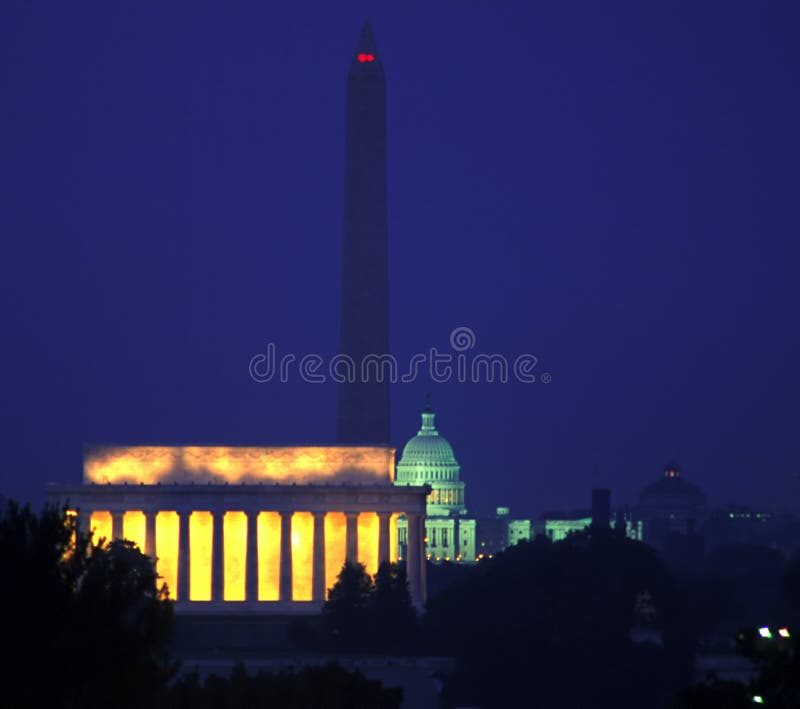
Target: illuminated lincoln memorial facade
(251, 529)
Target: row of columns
(414, 557)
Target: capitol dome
(428, 447)
(428, 459)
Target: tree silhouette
(716, 694)
(362, 614)
(777, 682)
(393, 620)
(123, 627)
(85, 624)
(550, 625)
(327, 686)
(345, 614)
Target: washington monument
(364, 403)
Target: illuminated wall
(335, 546)
(201, 530)
(167, 531)
(269, 556)
(368, 541)
(467, 529)
(558, 529)
(519, 530)
(235, 546)
(133, 528)
(101, 526)
(440, 533)
(302, 555)
(235, 536)
(393, 551)
(216, 464)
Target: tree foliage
(392, 618)
(344, 616)
(365, 614)
(549, 625)
(327, 686)
(777, 679)
(85, 625)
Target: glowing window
(269, 556)
(235, 555)
(368, 541)
(167, 531)
(302, 555)
(201, 531)
(133, 528)
(100, 523)
(393, 554)
(335, 546)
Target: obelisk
(364, 331)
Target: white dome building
(428, 459)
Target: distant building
(501, 531)
(428, 457)
(450, 533)
(670, 504)
(739, 524)
(251, 529)
(559, 525)
(674, 516)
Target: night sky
(612, 187)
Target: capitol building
(450, 533)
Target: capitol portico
(251, 529)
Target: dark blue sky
(612, 187)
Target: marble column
(116, 525)
(251, 563)
(286, 557)
(414, 558)
(150, 534)
(383, 537)
(423, 567)
(351, 536)
(318, 579)
(183, 556)
(218, 556)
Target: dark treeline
(549, 625)
(596, 620)
(85, 626)
(306, 688)
(364, 615)
(599, 620)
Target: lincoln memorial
(248, 529)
